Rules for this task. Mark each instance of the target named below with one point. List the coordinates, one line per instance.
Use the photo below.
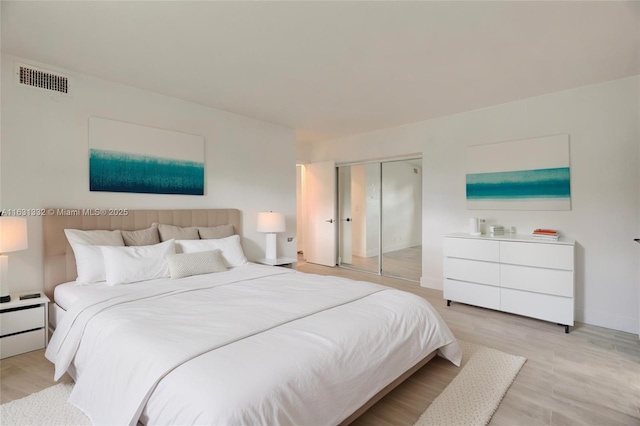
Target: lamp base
(271, 247)
(5, 299)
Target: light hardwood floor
(590, 376)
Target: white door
(320, 244)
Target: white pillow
(202, 262)
(89, 258)
(230, 248)
(89, 264)
(137, 263)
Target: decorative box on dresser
(512, 273)
(23, 325)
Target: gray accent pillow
(171, 232)
(142, 237)
(215, 232)
(202, 262)
(94, 238)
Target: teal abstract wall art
(542, 183)
(127, 157)
(122, 172)
(530, 174)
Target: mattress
(253, 345)
(65, 295)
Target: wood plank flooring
(25, 374)
(590, 376)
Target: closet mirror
(380, 217)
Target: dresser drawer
(556, 256)
(542, 306)
(468, 248)
(21, 320)
(473, 294)
(550, 281)
(472, 270)
(21, 343)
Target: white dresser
(515, 274)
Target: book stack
(496, 230)
(546, 234)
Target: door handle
(330, 220)
(347, 219)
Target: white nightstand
(23, 324)
(285, 262)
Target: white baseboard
(603, 319)
(430, 282)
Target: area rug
(47, 407)
(474, 395)
(470, 399)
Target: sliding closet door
(380, 218)
(359, 217)
(402, 219)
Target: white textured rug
(47, 407)
(475, 393)
(470, 399)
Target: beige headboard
(59, 262)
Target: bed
(253, 344)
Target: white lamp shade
(13, 234)
(271, 222)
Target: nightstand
(23, 324)
(285, 262)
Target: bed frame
(60, 263)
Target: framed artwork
(126, 157)
(528, 174)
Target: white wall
(249, 164)
(602, 121)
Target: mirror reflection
(379, 209)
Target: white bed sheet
(329, 345)
(65, 295)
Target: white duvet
(253, 345)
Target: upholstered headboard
(59, 262)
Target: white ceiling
(332, 69)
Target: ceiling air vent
(39, 78)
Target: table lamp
(271, 223)
(13, 237)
